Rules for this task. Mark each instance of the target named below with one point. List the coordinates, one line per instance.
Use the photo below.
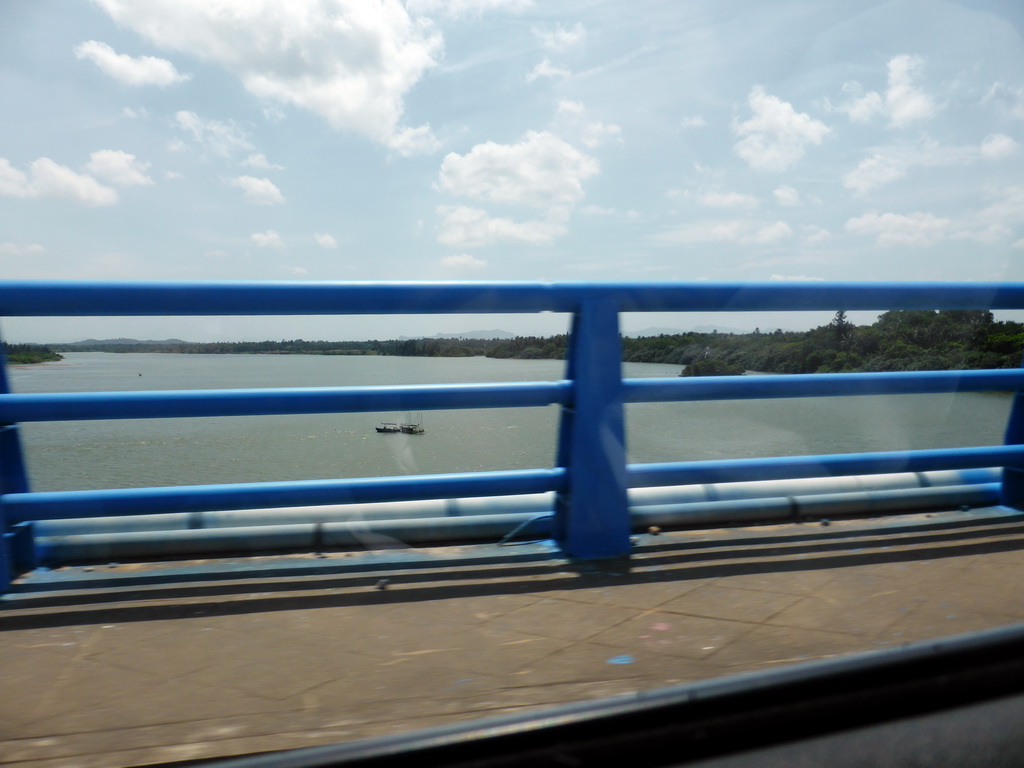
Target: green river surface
(187, 451)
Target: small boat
(412, 426)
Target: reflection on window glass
(345, 589)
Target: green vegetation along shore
(26, 354)
(900, 340)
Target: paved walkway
(118, 665)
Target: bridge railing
(590, 476)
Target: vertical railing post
(592, 514)
(13, 479)
(1013, 477)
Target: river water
(139, 453)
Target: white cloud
(1019, 245)
(559, 39)
(914, 229)
(14, 249)
(786, 196)
(413, 141)
(272, 113)
(13, 183)
(728, 200)
(775, 136)
(50, 179)
(47, 179)
(1007, 98)
(814, 235)
(546, 69)
(771, 234)
(466, 227)
(325, 241)
(903, 103)
(693, 122)
(458, 9)
(906, 102)
(260, 161)
(888, 164)
(998, 146)
(135, 114)
(131, 70)
(258, 191)
(990, 235)
(596, 134)
(118, 168)
(1000, 216)
(708, 171)
(996, 222)
(591, 134)
(861, 107)
(735, 231)
(876, 171)
(540, 171)
(796, 278)
(221, 138)
(463, 261)
(268, 239)
(351, 62)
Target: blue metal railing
(591, 476)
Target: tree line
(900, 340)
(454, 347)
(27, 354)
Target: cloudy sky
(721, 140)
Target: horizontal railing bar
(53, 505)
(67, 505)
(78, 406)
(789, 467)
(820, 385)
(62, 299)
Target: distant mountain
(720, 329)
(121, 342)
(654, 332)
(495, 334)
(677, 331)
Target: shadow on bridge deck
(127, 664)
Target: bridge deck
(128, 664)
